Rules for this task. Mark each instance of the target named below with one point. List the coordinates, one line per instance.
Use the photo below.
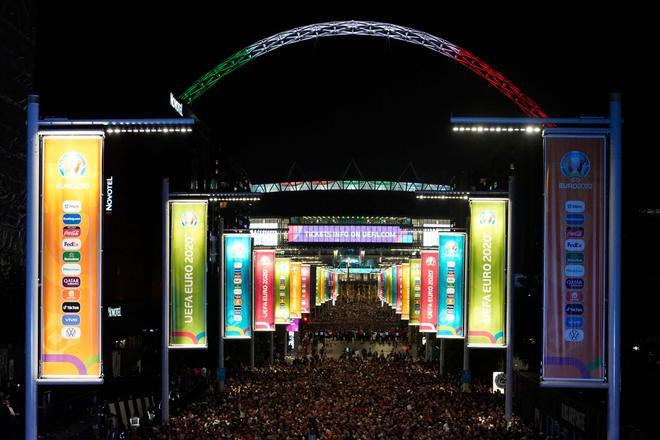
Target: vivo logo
(71, 320)
(71, 332)
(71, 244)
(71, 206)
(574, 245)
(574, 206)
(574, 322)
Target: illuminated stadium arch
(370, 29)
(347, 185)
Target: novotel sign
(349, 234)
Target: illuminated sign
(70, 324)
(349, 234)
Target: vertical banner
(451, 285)
(282, 296)
(264, 291)
(318, 297)
(574, 269)
(405, 291)
(399, 289)
(188, 274)
(326, 285)
(428, 321)
(295, 290)
(380, 287)
(487, 265)
(238, 286)
(415, 291)
(70, 324)
(305, 273)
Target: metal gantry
(368, 29)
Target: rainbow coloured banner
(70, 321)
(188, 274)
(399, 289)
(415, 291)
(405, 291)
(282, 290)
(487, 265)
(264, 290)
(305, 273)
(451, 285)
(428, 320)
(295, 280)
(574, 313)
(238, 286)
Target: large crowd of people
(357, 397)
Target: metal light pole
(221, 341)
(165, 293)
(614, 264)
(32, 267)
(508, 389)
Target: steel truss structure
(369, 29)
(348, 185)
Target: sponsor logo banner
(487, 265)
(264, 291)
(399, 288)
(295, 280)
(71, 250)
(305, 273)
(429, 292)
(574, 278)
(451, 285)
(415, 291)
(188, 275)
(282, 290)
(405, 291)
(238, 286)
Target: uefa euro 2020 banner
(405, 291)
(282, 294)
(70, 319)
(237, 287)
(295, 280)
(264, 290)
(451, 284)
(305, 274)
(428, 318)
(574, 266)
(415, 291)
(486, 320)
(188, 274)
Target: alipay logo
(575, 164)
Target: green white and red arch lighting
(369, 29)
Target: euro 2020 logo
(188, 220)
(487, 217)
(72, 164)
(451, 249)
(575, 164)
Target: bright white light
(455, 129)
(635, 347)
(529, 129)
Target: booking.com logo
(72, 164)
(188, 219)
(487, 217)
(575, 164)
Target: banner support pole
(221, 341)
(272, 346)
(508, 389)
(165, 292)
(441, 369)
(465, 379)
(32, 268)
(614, 271)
